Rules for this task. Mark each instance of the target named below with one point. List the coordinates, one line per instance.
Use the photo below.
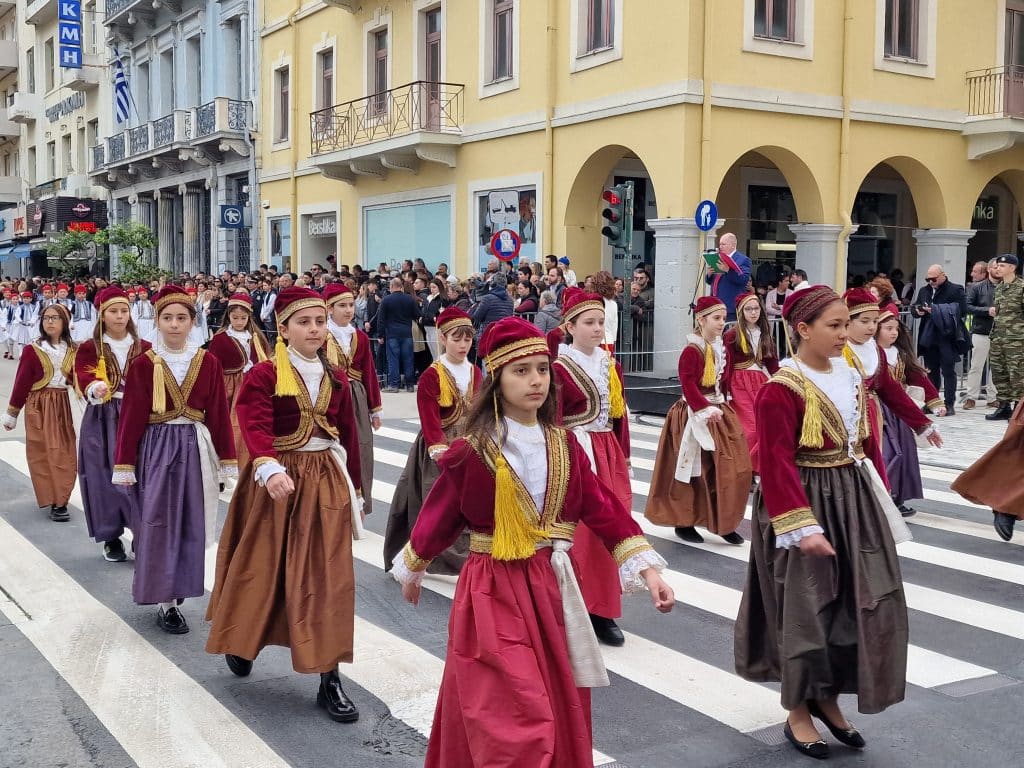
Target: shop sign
(82, 226)
(323, 226)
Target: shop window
(514, 209)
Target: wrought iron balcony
(116, 10)
(115, 148)
(98, 153)
(390, 130)
(995, 110)
(138, 139)
(222, 115)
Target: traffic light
(618, 212)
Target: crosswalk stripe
(158, 714)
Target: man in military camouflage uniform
(1006, 355)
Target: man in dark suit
(942, 338)
(728, 283)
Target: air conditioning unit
(349, 5)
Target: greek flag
(122, 96)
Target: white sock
(165, 607)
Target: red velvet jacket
(272, 424)
(34, 373)
(199, 398)
(231, 355)
(463, 497)
(579, 401)
(86, 360)
(435, 419)
(358, 364)
(917, 379)
(741, 360)
(691, 370)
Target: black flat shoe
(607, 631)
(849, 736)
(171, 621)
(734, 538)
(816, 749)
(907, 511)
(1002, 413)
(1004, 525)
(59, 514)
(340, 708)
(238, 665)
(113, 551)
(689, 533)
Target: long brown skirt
(995, 479)
(284, 568)
(50, 446)
(827, 625)
(418, 477)
(365, 432)
(232, 386)
(717, 498)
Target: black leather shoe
(689, 533)
(950, 410)
(1004, 525)
(816, 749)
(332, 697)
(607, 631)
(238, 665)
(849, 736)
(171, 621)
(734, 538)
(113, 551)
(907, 511)
(1002, 413)
(59, 514)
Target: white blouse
(245, 339)
(120, 348)
(56, 355)
(461, 372)
(177, 362)
(867, 353)
(311, 370)
(525, 450)
(343, 335)
(597, 366)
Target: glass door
(432, 70)
(1013, 83)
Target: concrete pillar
(192, 230)
(945, 247)
(165, 231)
(678, 280)
(816, 253)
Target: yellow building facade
(843, 137)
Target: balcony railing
(996, 92)
(116, 8)
(138, 139)
(97, 157)
(115, 148)
(418, 106)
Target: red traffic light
(611, 198)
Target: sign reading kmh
(69, 33)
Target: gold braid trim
(627, 548)
(515, 350)
(413, 562)
(793, 520)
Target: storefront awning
(5, 252)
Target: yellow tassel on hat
(616, 400)
(286, 386)
(447, 397)
(159, 390)
(710, 374)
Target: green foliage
(69, 244)
(134, 240)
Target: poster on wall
(513, 209)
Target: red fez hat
(576, 301)
(47, 288)
(707, 305)
(888, 311)
(173, 294)
(139, 290)
(26, 294)
(240, 300)
(451, 318)
(801, 305)
(63, 287)
(743, 298)
(509, 339)
(190, 291)
(291, 300)
(109, 296)
(80, 289)
(860, 300)
(335, 292)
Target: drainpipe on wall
(549, 132)
(250, 37)
(845, 203)
(293, 126)
(705, 111)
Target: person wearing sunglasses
(942, 338)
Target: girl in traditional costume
(41, 388)
(592, 405)
(863, 353)
(348, 348)
(899, 447)
(143, 313)
(174, 443)
(238, 346)
(444, 394)
(754, 359)
(83, 316)
(522, 655)
(823, 611)
(702, 471)
(101, 368)
(284, 564)
(26, 321)
(8, 313)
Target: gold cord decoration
(286, 385)
(447, 397)
(710, 374)
(159, 390)
(744, 345)
(616, 398)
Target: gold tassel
(159, 390)
(514, 538)
(286, 385)
(710, 374)
(101, 371)
(616, 400)
(812, 432)
(333, 352)
(447, 397)
(744, 346)
(851, 358)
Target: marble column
(678, 279)
(816, 252)
(945, 247)
(192, 229)
(165, 231)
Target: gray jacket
(549, 318)
(980, 297)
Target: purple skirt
(170, 535)
(899, 449)
(108, 507)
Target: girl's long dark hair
(482, 421)
(905, 346)
(65, 325)
(329, 369)
(766, 346)
(258, 337)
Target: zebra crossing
(964, 588)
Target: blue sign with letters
(69, 34)
(706, 216)
(232, 217)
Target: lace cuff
(437, 451)
(792, 538)
(705, 413)
(123, 475)
(267, 470)
(378, 414)
(629, 571)
(9, 421)
(402, 573)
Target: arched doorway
(996, 218)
